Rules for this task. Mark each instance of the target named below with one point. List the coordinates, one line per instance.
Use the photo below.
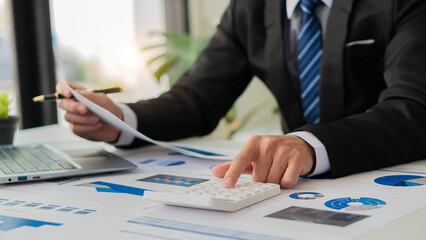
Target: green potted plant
(8, 124)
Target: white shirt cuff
(322, 162)
(130, 119)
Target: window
(7, 82)
(97, 43)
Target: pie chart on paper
(401, 180)
(306, 195)
(355, 204)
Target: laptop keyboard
(30, 159)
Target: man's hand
(273, 159)
(83, 122)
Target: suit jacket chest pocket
(364, 59)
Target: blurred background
(140, 45)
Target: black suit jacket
(372, 96)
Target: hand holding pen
(82, 121)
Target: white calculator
(211, 195)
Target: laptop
(42, 161)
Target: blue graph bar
(117, 188)
(9, 223)
(194, 150)
(33, 204)
(49, 207)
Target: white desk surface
(411, 226)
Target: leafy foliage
(179, 52)
(4, 105)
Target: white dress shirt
(130, 118)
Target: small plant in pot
(8, 124)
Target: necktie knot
(309, 6)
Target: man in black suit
(367, 66)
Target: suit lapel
(332, 76)
(280, 82)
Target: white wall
(204, 15)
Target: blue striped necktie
(309, 58)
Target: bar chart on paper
(107, 187)
(23, 205)
(173, 180)
(169, 163)
(201, 229)
(8, 223)
(165, 160)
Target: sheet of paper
(417, 167)
(111, 119)
(113, 205)
(331, 208)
